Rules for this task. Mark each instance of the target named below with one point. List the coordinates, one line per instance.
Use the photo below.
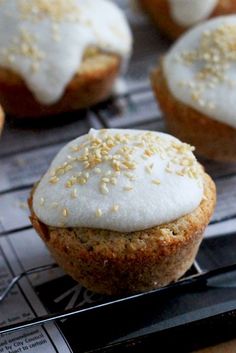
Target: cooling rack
(200, 278)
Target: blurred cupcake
(123, 211)
(59, 55)
(174, 17)
(196, 88)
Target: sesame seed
(99, 212)
(106, 180)
(115, 208)
(74, 193)
(156, 181)
(104, 189)
(68, 168)
(113, 180)
(81, 181)
(148, 170)
(69, 184)
(168, 170)
(180, 173)
(60, 172)
(128, 188)
(65, 212)
(97, 170)
(54, 180)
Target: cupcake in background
(174, 17)
(60, 55)
(195, 85)
(123, 211)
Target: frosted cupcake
(174, 17)
(59, 55)
(123, 211)
(196, 88)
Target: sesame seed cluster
(25, 44)
(112, 164)
(213, 57)
(57, 11)
(97, 151)
(45, 42)
(200, 69)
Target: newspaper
(23, 303)
(34, 297)
(25, 155)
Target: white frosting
(44, 41)
(200, 69)
(150, 178)
(188, 12)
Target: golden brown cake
(65, 58)
(225, 347)
(1, 119)
(91, 84)
(163, 15)
(194, 86)
(126, 212)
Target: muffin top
(200, 69)
(44, 41)
(188, 12)
(122, 180)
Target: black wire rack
(200, 278)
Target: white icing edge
(223, 95)
(188, 12)
(145, 206)
(104, 26)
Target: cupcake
(195, 85)
(60, 55)
(123, 211)
(174, 17)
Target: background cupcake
(58, 56)
(174, 17)
(195, 87)
(123, 210)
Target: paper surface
(22, 303)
